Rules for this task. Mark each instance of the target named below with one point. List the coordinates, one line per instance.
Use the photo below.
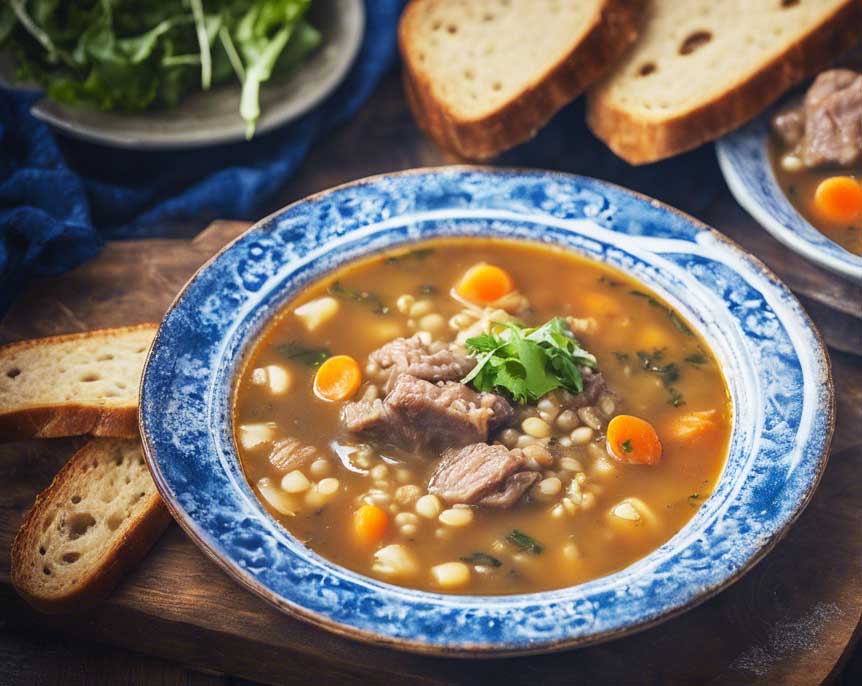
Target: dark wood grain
(790, 621)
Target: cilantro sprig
(528, 363)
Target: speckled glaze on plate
(776, 367)
(212, 117)
(744, 160)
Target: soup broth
(383, 502)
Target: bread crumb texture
(101, 368)
(478, 55)
(695, 51)
(77, 525)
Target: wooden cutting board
(789, 621)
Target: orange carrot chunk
(484, 283)
(369, 524)
(839, 199)
(633, 440)
(338, 378)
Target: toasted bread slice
(704, 67)
(483, 76)
(70, 385)
(96, 520)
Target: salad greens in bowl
(175, 73)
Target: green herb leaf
(528, 363)
(697, 359)
(364, 297)
(418, 254)
(627, 445)
(479, 558)
(669, 373)
(673, 316)
(524, 542)
(308, 357)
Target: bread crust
(70, 419)
(521, 118)
(639, 141)
(124, 554)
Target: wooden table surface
(382, 138)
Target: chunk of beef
(418, 414)
(291, 453)
(826, 128)
(512, 491)
(434, 362)
(594, 386)
(480, 471)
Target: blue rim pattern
(777, 372)
(744, 160)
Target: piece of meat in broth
(430, 362)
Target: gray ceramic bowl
(213, 117)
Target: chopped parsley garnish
(479, 558)
(627, 445)
(523, 542)
(418, 254)
(528, 363)
(673, 316)
(697, 359)
(308, 357)
(669, 373)
(363, 297)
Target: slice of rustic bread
(485, 75)
(96, 520)
(704, 67)
(83, 383)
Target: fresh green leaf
(523, 542)
(627, 445)
(299, 353)
(364, 297)
(528, 363)
(479, 558)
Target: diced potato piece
(315, 313)
(451, 575)
(252, 436)
(278, 378)
(395, 561)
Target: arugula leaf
(308, 357)
(144, 54)
(523, 542)
(528, 363)
(480, 558)
(365, 297)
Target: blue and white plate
(744, 160)
(773, 359)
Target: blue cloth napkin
(60, 199)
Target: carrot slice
(369, 524)
(633, 440)
(338, 378)
(691, 426)
(839, 199)
(484, 283)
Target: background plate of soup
(732, 341)
(749, 161)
